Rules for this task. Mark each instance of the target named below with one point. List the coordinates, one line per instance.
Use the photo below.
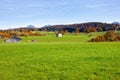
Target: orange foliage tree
(76, 30)
(109, 36)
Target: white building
(59, 35)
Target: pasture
(68, 58)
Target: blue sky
(20, 13)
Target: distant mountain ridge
(30, 26)
(116, 23)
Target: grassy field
(68, 58)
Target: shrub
(109, 36)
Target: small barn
(12, 39)
(59, 35)
(34, 40)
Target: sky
(21, 13)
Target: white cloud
(45, 4)
(97, 5)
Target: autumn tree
(93, 29)
(86, 30)
(76, 30)
(110, 35)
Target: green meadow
(70, 57)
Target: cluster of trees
(89, 29)
(76, 31)
(18, 32)
(83, 27)
(108, 37)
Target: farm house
(12, 39)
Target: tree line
(19, 32)
(84, 27)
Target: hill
(118, 23)
(99, 26)
(30, 26)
